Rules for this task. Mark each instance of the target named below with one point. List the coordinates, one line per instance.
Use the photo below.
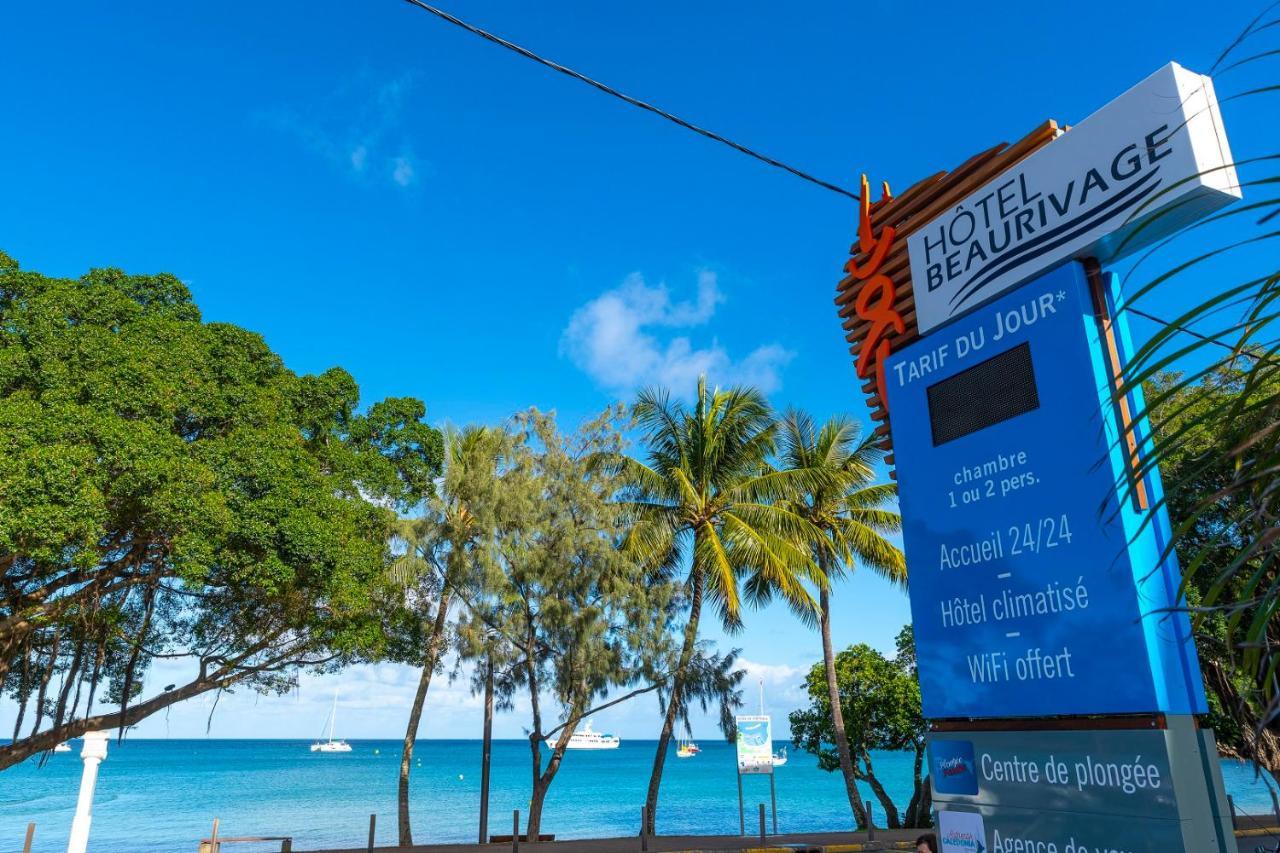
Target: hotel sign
(1043, 591)
(1144, 166)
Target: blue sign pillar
(1040, 586)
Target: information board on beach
(1034, 590)
(755, 743)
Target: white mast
(333, 715)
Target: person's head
(927, 843)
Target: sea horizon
(159, 795)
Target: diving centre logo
(952, 767)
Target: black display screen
(988, 393)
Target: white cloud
(772, 673)
(616, 339)
(783, 687)
(358, 158)
(402, 171)
(358, 128)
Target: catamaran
(332, 745)
(588, 738)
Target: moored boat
(332, 745)
(588, 738)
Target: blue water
(161, 796)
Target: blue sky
(369, 187)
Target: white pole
(333, 716)
(93, 753)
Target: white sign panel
(755, 744)
(961, 832)
(1147, 164)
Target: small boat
(687, 749)
(62, 747)
(332, 745)
(588, 738)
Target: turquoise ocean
(161, 796)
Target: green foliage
(169, 487)
(880, 699)
(1197, 461)
(708, 505)
(880, 702)
(842, 499)
(709, 493)
(562, 612)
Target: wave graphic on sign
(1073, 228)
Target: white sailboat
(62, 747)
(332, 745)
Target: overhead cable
(635, 102)
(658, 111)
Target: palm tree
(845, 504)
(438, 562)
(708, 501)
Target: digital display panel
(1002, 387)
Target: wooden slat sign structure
(875, 299)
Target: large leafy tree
(847, 505)
(438, 562)
(1197, 462)
(707, 510)
(169, 489)
(880, 700)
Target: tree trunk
(673, 704)
(917, 814)
(486, 750)
(533, 823)
(837, 713)
(542, 782)
(415, 716)
(892, 821)
(924, 816)
(1259, 744)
